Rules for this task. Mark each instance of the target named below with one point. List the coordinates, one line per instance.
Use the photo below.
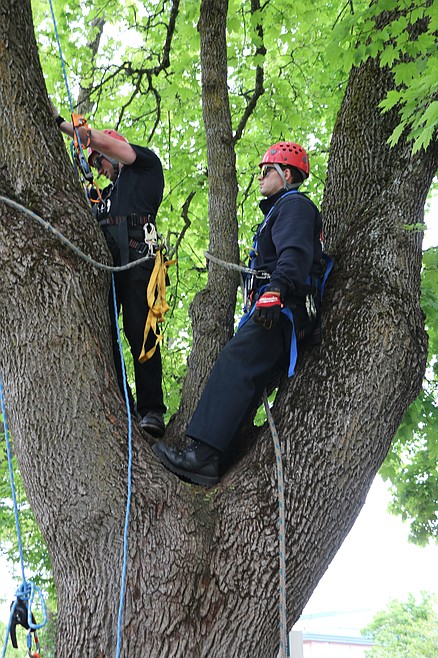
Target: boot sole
(194, 478)
(153, 430)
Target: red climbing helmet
(112, 133)
(287, 153)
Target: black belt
(134, 219)
(143, 248)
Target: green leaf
(392, 98)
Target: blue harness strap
(293, 356)
(288, 313)
(293, 343)
(320, 284)
(328, 269)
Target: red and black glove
(268, 309)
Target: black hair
(297, 175)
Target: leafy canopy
(389, 29)
(411, 464)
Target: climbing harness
(312, 312)
(118, 228)
(21, 608)
(156, 299)
(284, 636)
(253, 274)
(314, 285)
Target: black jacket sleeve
(294, 229)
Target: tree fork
(203, 565)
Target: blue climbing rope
(61, 57)
(129, 477)
(26, 591)
(12, 479)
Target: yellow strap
(156, 298)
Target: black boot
(153, 423)
(199, 463)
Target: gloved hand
(268, 309)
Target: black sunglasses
(97, 162)
(265, 170)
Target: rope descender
(81, 161)
(79, 158)
(22, 615)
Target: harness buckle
(248, 289)
(311, 309)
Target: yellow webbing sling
(156, 298)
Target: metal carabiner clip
(150, 238)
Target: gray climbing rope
(235, 266)
(284, 640)
(66, 241)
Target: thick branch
(259, 78)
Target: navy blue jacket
(287, 244)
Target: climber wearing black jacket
(280, 311)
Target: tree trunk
(212, 311)
(202, 574)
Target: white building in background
(318, 645)
(334, 634)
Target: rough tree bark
(202, 570)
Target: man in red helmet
(127, 215)
(283, 300)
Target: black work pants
(131, 286)
(237, 380)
